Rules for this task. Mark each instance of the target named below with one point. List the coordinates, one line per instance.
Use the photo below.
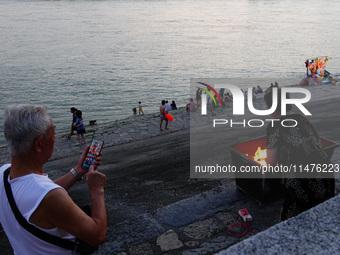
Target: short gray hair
(22, 125)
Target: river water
(104, 56)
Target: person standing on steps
(140, 108)
(163, 113)
(73, 126)
(80, 127)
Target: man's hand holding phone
(95, 160)
(94, 151)
(95, 180)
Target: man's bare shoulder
(53, 200)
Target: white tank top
(28, 192)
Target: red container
(256, 184)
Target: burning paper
(261, 156)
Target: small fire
(261, 156)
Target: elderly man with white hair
(37, 214)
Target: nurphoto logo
(239, 104)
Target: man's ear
(38, 143)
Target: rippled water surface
(104, 56)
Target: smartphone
(93, 152)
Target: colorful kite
(317, 66)
(317, 72)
